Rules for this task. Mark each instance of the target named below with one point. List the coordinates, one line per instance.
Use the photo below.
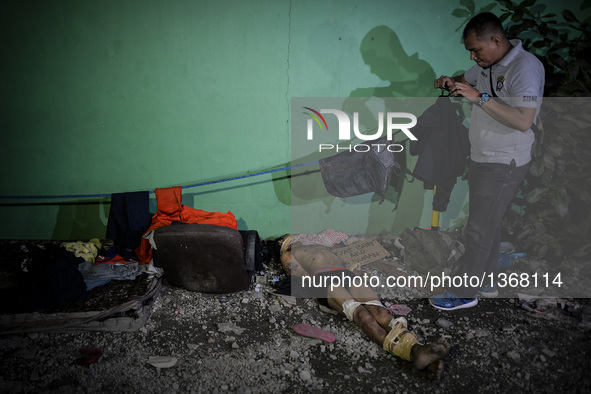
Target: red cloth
(171, 209)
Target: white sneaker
(488, 292)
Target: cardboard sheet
(361, 253)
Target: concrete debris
(162, 361)
(230, 327)
(244, 343)
(513, 355)
(441, 322)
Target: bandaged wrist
(285, 244)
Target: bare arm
(291, 266)
(520, 118)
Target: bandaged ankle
(399, 340)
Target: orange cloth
(171, 209)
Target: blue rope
(183, 187)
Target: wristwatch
(483, 99)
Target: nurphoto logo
(344, 133)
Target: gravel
(244, 343)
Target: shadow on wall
(408, 76)
(80, 221)
(405, 76)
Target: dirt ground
(244, 343)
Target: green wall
(113, 96)
(116, 96)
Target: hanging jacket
(171, 209)
(442, 146)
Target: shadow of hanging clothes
(129, 218)
(442, 148)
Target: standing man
(506, 87)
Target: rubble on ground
(244, 343)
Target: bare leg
(372, 319)
(362, 317)
(424, 357)
(381, 314)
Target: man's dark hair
(484, 25)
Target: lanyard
(492, 90)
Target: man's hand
(457, 86)
(443, 82)
(465, 90)
(519, 118)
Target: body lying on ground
(360, 304)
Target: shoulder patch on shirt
(500, 83)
